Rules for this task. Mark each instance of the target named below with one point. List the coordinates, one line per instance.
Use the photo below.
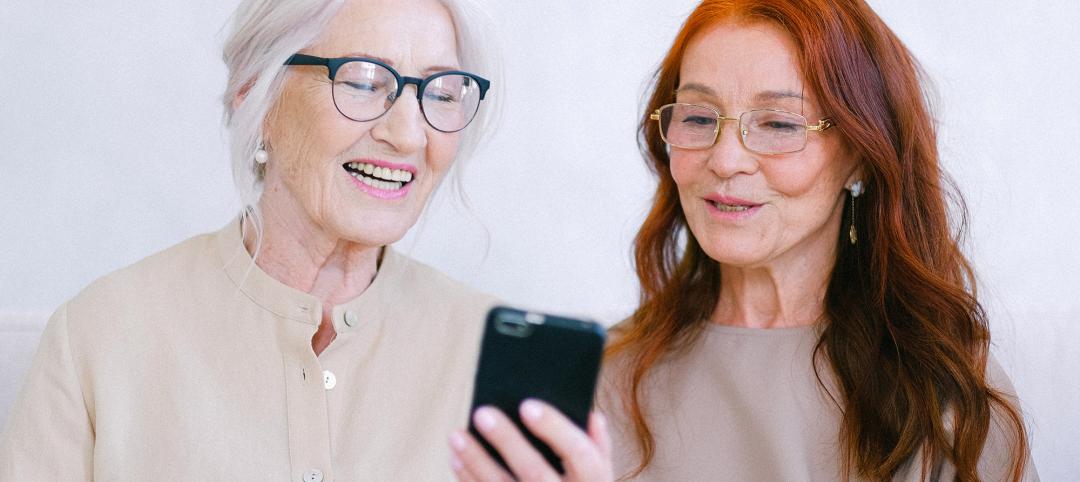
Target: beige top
(744, 404)
(193, 364)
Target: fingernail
(531, 410)
(455, 463)
(601, 420)
(457, 442)
(484, 419)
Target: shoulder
(1003, 435)
(998, 379)
(152, 271)
(433, 287)
(159, 279)
(616, 371)
(1002, 438)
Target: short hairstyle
(265, 33)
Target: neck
(783, 294)
(297, 252)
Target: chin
(732, 253)
(373, 232)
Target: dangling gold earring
(856, 189)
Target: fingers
(598, 432)
(585, 456)
(525, 462)
(471, 463)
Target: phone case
(532, 355)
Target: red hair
(904, 333)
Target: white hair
(266, 33)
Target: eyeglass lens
(364, 91)
(765, 131)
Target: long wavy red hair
(904, 334)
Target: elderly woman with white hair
(294, 343)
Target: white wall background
(111, 149)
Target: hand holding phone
(585, 457)
(553, 362)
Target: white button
(351, 318)
(313, 475)
(330, 381)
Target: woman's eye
(440, 96)
(361, 87)
(779, 126)
(699, 120)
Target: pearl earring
(261, 156)
(856, 190)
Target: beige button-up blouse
(194, 364)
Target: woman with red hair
(807, 313)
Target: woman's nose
(403, 127)
(728, 156)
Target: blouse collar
(293, 304)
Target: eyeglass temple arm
(821, 125)
(302, 59)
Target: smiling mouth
(730, 208)
(379, 177)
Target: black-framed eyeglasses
(765, 131)
(364, 89)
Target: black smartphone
(534, 355)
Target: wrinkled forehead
(744, 65)
(411, 35)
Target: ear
(241, 95)
(856, 175)
(239, 99)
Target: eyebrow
(777, 95)
(761, 96)
(431, 69)
(699, 88)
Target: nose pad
(729, 156)
(395, 99)
(403, 124)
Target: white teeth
(728, 208)
(377, 184)
(384, 174)
(385, 185)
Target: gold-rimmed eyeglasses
(765, 131)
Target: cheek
(808, 188)
(441, 151)
(308, 131)
(792, 180)
(811, 173)
(685, 168)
